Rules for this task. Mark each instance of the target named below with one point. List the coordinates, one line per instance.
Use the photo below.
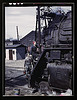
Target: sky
(24, 18)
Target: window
(13, 52)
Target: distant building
(11, 42)
(15, 52)
(28, 39)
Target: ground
(16, 79)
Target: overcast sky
(24, 18)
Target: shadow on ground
(17, 81)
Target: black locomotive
(55, 63)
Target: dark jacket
(34, 51)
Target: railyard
(46, 69)
(16, 79)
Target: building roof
(32, 32)
(28, 39)
(8, 40)
(14, 46)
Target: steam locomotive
(54, 66)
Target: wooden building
(15, 52)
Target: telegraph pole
(39, 31)
(36, 30)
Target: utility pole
(36, 30)
(17, 33)
(39, 31)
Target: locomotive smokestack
(17, 33)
